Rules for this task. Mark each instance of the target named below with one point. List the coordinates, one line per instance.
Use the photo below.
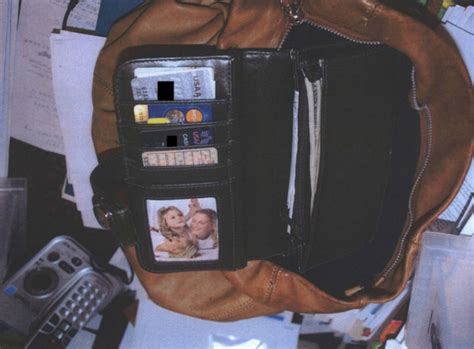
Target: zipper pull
(353, 290)
(293, 11)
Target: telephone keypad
(75, 311)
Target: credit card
(180, 138)
(144, 72)
(181, 157)
(188, 84)
(172, 113)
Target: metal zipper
(285, 36)
(365, 42)
(401, 246)
(296, 16)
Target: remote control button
(69, 304)
(76, 261)
(66, 267)
(41, 281)
(95, 290)
(72, 332)
(79, 311)
(59, 334)
(72, 318)
(89, 295)
(48, 328)
(53, 256)
(81, 290)
(64, 312)
(65, 326)
(66, 341)
(76, 297)
(54, 319)
(87, 283)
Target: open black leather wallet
(304, 157)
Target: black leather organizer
(316, 154)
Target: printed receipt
(34, 115)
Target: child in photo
(179, 242)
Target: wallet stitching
(182, 185)
(228, 85)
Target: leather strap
(110, 198)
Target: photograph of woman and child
(177, 235)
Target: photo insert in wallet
(183, 229)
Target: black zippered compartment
(369, 150)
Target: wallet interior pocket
(171, 136)
(357, 214)
(168, 113)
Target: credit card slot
(209, 75)
(192, 157)
(174, 175)
(169, 137)
(188, 226)
(173, 112)
(176, 101)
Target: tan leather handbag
(441, 93)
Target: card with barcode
(180, 157)
(178, 138)
(172, 113)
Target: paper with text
(35, 119)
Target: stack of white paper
(8, 23)
(36, 121)
(72, 85)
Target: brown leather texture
(444, 96)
